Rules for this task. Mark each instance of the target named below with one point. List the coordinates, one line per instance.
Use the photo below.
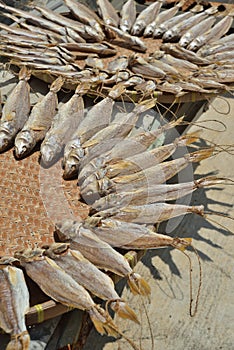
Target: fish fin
(138, 285)
(53, 263)
(38, 128)
(24, 73)
(200, 155)
(10, 116)
(77, 255)
(124, 311)
(90, 143)
(189, 138)
(57, 84)
(182, 243)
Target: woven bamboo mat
(25, 215)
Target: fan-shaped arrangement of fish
(121, 178)
(179, 52)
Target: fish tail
(210, 181)
(188, 139)
(123, 310)
(82, 88)
(103, 322)
(200, 155)
(181, 243)
(19, 341)
(24, 73)
(138, 285)
(117, 91)
(57, 84)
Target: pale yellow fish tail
(19, 342)
(202, 154)
(103, 322)
(124, 311)
(24, 73)
(181, 243)
(57, 84)
(188, 139)
(138, 285)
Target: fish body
(99, 253)
(89, 276)
(66, 120)
(216, 32)
(181, 64)
(208, 50)
(128, 16)
(159, 19)
(39, 121)
(193, 32)
(108, 13)
(16, 110)
(184, 54)
(146, 17)
(14, 304)
(119, 63)
(139, 65)
(134, 42)
(167, 68)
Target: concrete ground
(165, 320)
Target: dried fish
(214, 33)
(119, 77)
(134, 42)
(14, 303)
(84, 31)
(119, 63)
(221, 56)
(103, 48)
(140, 66)
(94, 62)
(222, 75)
(153, 194)
(66, 120)
(89, 276)
(176, 31)
(32, 58)
(159, 19)
(146, 17)
(128, 16)
(64, 288)
(134, 236)
(167, 68)
(166, 25)
(184, 54)
(39, 121)
(85, 15)
(108, 13)
(134, 80)
(193, 32)
(181, 64)
(150, 213)
(99, 112)
(212, 49)
(16, 110)
(100, 253)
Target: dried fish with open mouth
(132, 236)
(14, 303)
(145, 17)
(176, 31)
(89, 276)
(134, 42)
(100, 253)
(64, 288)
(216, 32)
(153, 194)
(166, 25)
(16, 110)
(159, 19)
(139, 65)
(193, 32)
(108, 13)
(85, 15)
(128, 15)
(67, 119)
(39, 121)
(98, 117)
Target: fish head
(90, 189)
(49, 153)
(158, 32)
(55, 249)
(68, 229)
(194, 45)
(125, 27)
(71, 164)
(24, 143)
(5, 141)
(149, 30)
(29, 255)
(184, 41)
(169, 35)
(136, 29)
(8, 260)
